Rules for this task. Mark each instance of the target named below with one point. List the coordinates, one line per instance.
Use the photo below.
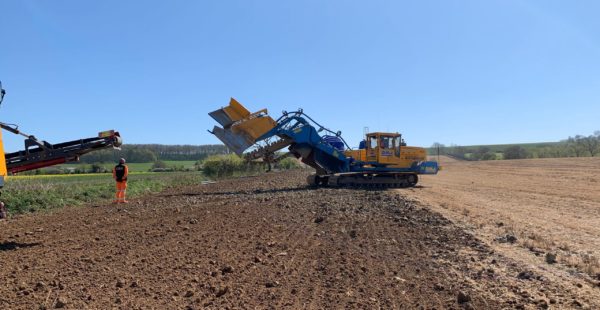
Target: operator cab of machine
(383, 147)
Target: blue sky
(463, 72)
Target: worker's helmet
(122, 161)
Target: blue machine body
(325, 153)
(334, 141)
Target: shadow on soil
(285, 190)
(11, 246)
(254, 192)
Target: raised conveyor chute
(39, 154)
(240, 128)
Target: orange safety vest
(120, 173)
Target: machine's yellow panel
(255, 127)
(360, 155)
(408, 156)
(240, 127)
(236, 111)
(106, 134)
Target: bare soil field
(550, 206)
(265, 242)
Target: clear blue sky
(463, 72)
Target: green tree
(140, 156)
(515, 152)
(576, 145)
(592, 144)
(438, 147)
(483, 153)
(457, 151)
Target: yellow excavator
(39, 154)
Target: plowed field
(262, 242)
(550, 207)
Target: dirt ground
(265, 242)
(551, 206)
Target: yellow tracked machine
(382, 159)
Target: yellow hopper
(240, 127)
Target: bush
(159, 164)
(53, 170)
(288, 163)
(483, 153)
(97, 168)
(218, 166)
(161, 170)
(227, 165)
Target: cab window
(372, 142)
(386, 143)
(397, 146)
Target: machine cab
(383, 148)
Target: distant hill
(144, 153)
(576, 146)
(499, 148)
(507, 151)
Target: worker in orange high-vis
(120, 173)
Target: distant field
(135, 167)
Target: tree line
(144, 153)
(576, 146)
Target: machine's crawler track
(364, 180)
